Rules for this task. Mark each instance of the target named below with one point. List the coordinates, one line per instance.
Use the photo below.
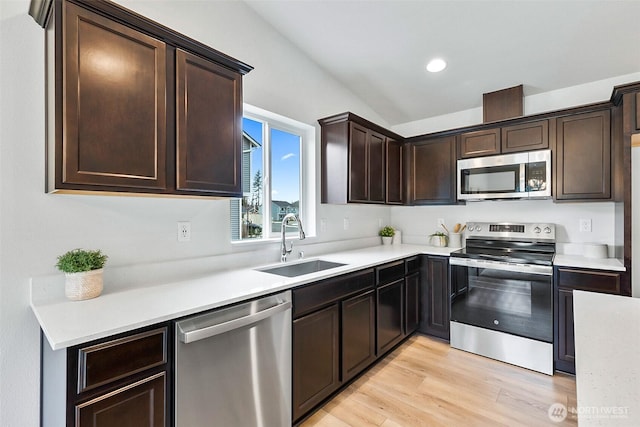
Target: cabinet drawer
(109, 361)
(589, 280)
(308, 298)
(141, 404)
(390, 272)
(412, 264)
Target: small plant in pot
(83, 271)
(387, 234)
(438, 239)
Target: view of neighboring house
(280, 208)
(249, 221)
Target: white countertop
(579, 261)
(124, 307)
(607, 344)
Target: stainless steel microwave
(506, 176)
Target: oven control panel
(512, 230)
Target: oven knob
(537, 230)
(547, 230)
(478, 228)
(496, 322)
(470, 228)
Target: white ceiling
(379, 48)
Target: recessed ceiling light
(436, 65)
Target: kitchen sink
(301, 268)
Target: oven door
(512, 298)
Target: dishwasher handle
(221, 328)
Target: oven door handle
(543, 270)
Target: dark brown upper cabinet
(583, 157)
(120, 117)
(209, 117)
(479, 143)
(431, 179)
(113, 130)
(508, 139)
(395, 190)
(355, 166)
(525, 137)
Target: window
(278, 176)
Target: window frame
(308, 178)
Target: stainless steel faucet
(283, 244)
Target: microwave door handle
(523, 177)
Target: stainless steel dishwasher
(233, 366)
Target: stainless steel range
(502, 293)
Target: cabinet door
(566, 280)
(113, 106)
(564, 340)
(432, 177)
(479, 143)
(316, 343)
(395, 193)
(358, 164)
(208, 126)
(358, 334)
(390, 315)
(377, 167)
(638, 111)
(583, 157)
(525, 137)
(141, 404)
(436, 298)
(412, 303)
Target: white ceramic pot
(387, 240)
(83, 285)
(439, 241)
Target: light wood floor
(426, 383)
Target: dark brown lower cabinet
(565, 354)
(316, 358)
(141, 404)
(435, 297)
(124, 380)
(412, 298)
(342, 325)
(358, 333)
(390, 325)
(566, 280)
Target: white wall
(573, 96)
(417, 223)
(36, 227)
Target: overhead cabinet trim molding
(117, 113)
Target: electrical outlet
(345, 223)
(379, 222)
(184, 231)
(585, 225)
(323, 225)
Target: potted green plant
(83, 273)
(387, 234)
(438, 239)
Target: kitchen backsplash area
(417, 223)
